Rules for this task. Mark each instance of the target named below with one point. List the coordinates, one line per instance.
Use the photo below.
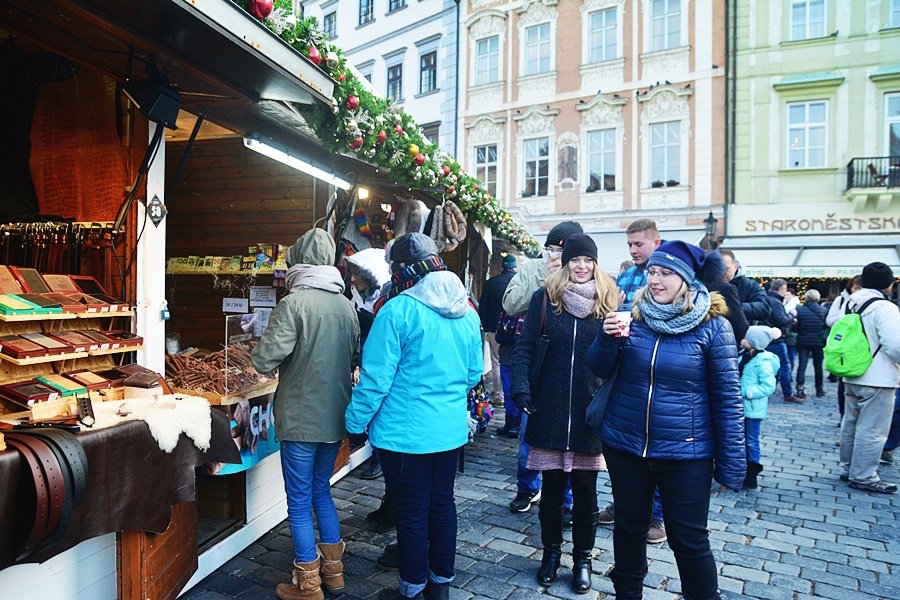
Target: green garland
(367, 125)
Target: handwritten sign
(263, 296)
(235, 305)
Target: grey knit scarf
(319, 277)
(579, 298)
(667, 318)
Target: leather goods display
(139, 376)
(10, 304)
(8, 283)
(61, 283)
(90, 285)
(29, 392)
(18, 347)
(124, 339)
(103, 342)
(90, 380)
(42, 301)
(53, 346)
(91, 304)
(78, 341)
(66, 386)
(115, 377)
(58, 467)
(68, 303)
(30, 280)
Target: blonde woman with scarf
(561, 442)
(312, 338)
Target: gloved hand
(523, 401)
(358, 439)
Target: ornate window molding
(660, 104)
(483, 131)
(536, 123)
(603, 112)
(531, 13)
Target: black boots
(551, 536)
(753, 470)
(436, 591)
(584, 530)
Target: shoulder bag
(540, 350)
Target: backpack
(847, 352)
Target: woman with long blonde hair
(568, 312)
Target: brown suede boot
(305, 583)
(332, 567)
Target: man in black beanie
(869, 400)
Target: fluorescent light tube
(296, 163)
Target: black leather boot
(551, 536)
(436, 591)
(584, 531)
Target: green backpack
(847, 351)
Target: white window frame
(601, 55)
(668, 125)
(808, 33)
(603, 153)
(370, 6)
(482, 168)
(550, 49)
(889, 120)
(333, 33)
(806, 127)
(434, 67)
(387, 85)
(525, 160)
(491, 77)
(652, 19)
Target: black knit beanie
(579, 245)
(562, 232)
(877, 276)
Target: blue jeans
(751, 431)
(792, 354)
(307, 469)
(422, 492)
(684, 486)
(528, 481)
(513, 416)
(779, 349)
(894, 435)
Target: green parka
(313, 339)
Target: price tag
(235, 305)
(263, 296)
(156, 210)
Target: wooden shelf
(235, 397)
(245, 272)
(65, 316)
(34, 360)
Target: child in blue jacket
(758, 369)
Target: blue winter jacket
(758, 383)
(676, 397)
(811, 329)
(421, 358)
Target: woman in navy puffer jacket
(674, 419)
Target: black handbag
(540, 350)
(595, 413)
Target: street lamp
(711, 223)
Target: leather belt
(71, 477)
(38, 529)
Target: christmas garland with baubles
(368, 126)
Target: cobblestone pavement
(802, 534)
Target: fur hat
(509, 262)
(579, 245)
(877, 276)
(410, 248)
(760, 336)
(370, 265)
(561, 232)
(681, 257)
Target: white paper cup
(624, 319)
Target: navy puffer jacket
(676, 397)
(811, 329)
(566, 385)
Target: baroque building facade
(604, 111)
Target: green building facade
(813, 118)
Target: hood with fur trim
(370, 264)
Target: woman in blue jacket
(421, 358)
(561, 442)
(674, 418)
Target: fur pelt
(454, 225)
(168, 417)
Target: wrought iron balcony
(873, 172)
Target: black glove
(523, 401)
(358, 439)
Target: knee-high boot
(584, 532)
(551, 536)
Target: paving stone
(843, 581)
(761, 590)
(508, 547)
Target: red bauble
(398, 128)
(314, 55)
(352, 102)
(260, 8)
(451, 190)
(475, 186)
(446, 170)
(419, 160)
(342, 77)
(356, 144)
(380, 137)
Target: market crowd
(661, 376)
